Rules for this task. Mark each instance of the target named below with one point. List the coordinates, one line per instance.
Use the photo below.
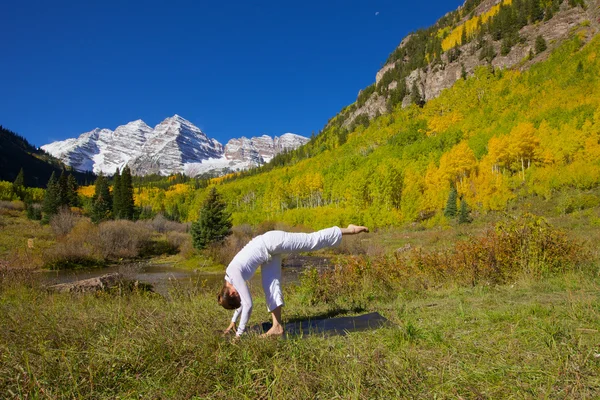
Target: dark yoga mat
(330, 326)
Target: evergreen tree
(101, 201)
(127, 207)
(450, 210)
(463, 213)
(18, 186)
(487, 52)
(463, 37)
(63, 190)
(415, 95)
(72, 194)
(214, 223)
(463, 72)
(580, 67)
(506, 46)
(51, 202)
(540, 44)
(117, 209)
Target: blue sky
(233, 68)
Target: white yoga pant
(266, 250)
(271, 282)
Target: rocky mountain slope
(500, 33)
(175, 145)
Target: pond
(166, 277)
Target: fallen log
(89, 285)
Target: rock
(433, 79)
(89, 285)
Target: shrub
(14, 205)
(122, 239)
(34, 211)
(63, 222)
(75, 250)
(527, 245)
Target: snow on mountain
(174, 145)
(123, 145)
(80, 152)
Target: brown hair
(228, 301)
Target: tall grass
(535, 339)
(527, 246)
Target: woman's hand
(230, 328)
(354, 229)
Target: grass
(529, 338)
(535, 339)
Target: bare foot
(357, 228)
(276, 330)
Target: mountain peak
(174, 145)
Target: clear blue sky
(233, 68)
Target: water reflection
(166, 277)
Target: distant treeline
(17, 153)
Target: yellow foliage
(86, 191)
(440, 123)
(454, 37)
(457, 164)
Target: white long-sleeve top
(258, 250)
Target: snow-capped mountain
(175, 145)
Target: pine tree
(117, 209)
(463, 72)
(214, 223)
(451, 210)
(127, 208)
(63, 190)
(72, 194)
(540, 44)
(51, 202)
(463, 213)
(415, 95)
(18, 186)
(506, 46)
(102, 200)
(463, 37)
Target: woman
(266, 250)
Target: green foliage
(416, 97)
(213, 224)
(364, 95)
(33, 211)
(72, 187)
(17, 153)
(117, 195)
(487, 53)
(101, 201)
(123, 203)
(19, 185)
(464, 216)
(451, 210)
(51, 199)
(540, 44)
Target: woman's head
(228, 299)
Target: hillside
(497, 136)
(16, 153)
(499, 33)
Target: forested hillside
(495, 136)
(17, 153)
